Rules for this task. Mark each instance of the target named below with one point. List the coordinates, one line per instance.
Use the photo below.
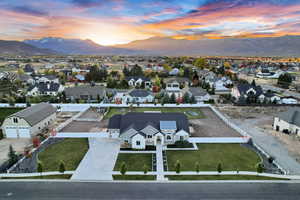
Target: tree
(227, 65)
(219, 168)
(173, 98)
(177, 167)
(259, 168)
(12, 156)
(193, 99)
(285, 80)
(145, 168)
(197, 167)
(186, 98)
(62, 167)
(167, 67)
(200, 63)
(123, 169)
(253, 83)
(165, 99)
(40, 167)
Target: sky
(110, 22)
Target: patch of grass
(70, 151)
(63, 176)
(134, 162)
(5, 112)
(231, 156)
(134, 177)
(220, 177)
(186, 111)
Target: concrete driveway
(99, 161)
(17, 144)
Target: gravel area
(84, 126)
(211, 126)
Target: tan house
(29, 122)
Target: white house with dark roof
(134, 96)
(138, 81)
(29, 122)
(139, 130)
(288, 121)
(40, 89)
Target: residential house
(200, 94)
(28, 69)
(247, 92)
(40, 89)
(29, 122)
(135, 81)
(288, 121)
(139, 130)
(85, 92)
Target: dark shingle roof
(78, 91)
(46, 87)
(141, 120)
(243, 88)
(139, 93)
(291, 116)
(36, 113)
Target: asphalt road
(133, 191)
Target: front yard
(134, 162)
(232, 157)
(219, 177)
(191, 113)
(135, 177)
(70, 151)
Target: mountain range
(268, 46)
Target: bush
(181, 144)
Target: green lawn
(4, 112)
(219, 177)
(231, 156)
(134, 162)
(70, 151)
(197, 111)
(63, 176)
(134, 177)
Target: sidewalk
(159, 162)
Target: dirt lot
(85, 126)
(90, 114)
(17, 144)
(211, 126)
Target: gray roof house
(288, 121)
(85, 92)
(30, 121)
(141, 129)
(199, 93)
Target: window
(149, 136)
(138, 143)
(169, 137)
(181, 138)
(126, 141)
(15, 120)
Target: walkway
(99, 161)
(159, 162)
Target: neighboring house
(28, 69)
(85, 92)
(174, 72)
(29, 122)
(138, 130)
(79, 78)
(25, 79)
(10, 76)
(45, 79)
(247, 91)
(200, 94)
(134, 96)
(134, 81)
(175, 86)
(220, 88)
(288, 121)
(40, 89)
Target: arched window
(169, 137)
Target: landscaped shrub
(181, 144)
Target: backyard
(231, 156)
(191, 113)
(70, 151)
(134, 162)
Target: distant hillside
(20, 48)
(277, 46)
(76, 46)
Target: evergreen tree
(145, 168)
(186, 98)
(219, 168)
(123, 169)
(197, 167)
(259, 168)
(173, 98)
(62, 167)
(12, 156)
(40, 167)
(177, 167)
(193, 99)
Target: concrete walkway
(99, 161)
(159, 162)
(271, 145)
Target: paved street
(99, 161)
(271, 145)
(132, 191)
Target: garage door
(11, 132)
(24, 133)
